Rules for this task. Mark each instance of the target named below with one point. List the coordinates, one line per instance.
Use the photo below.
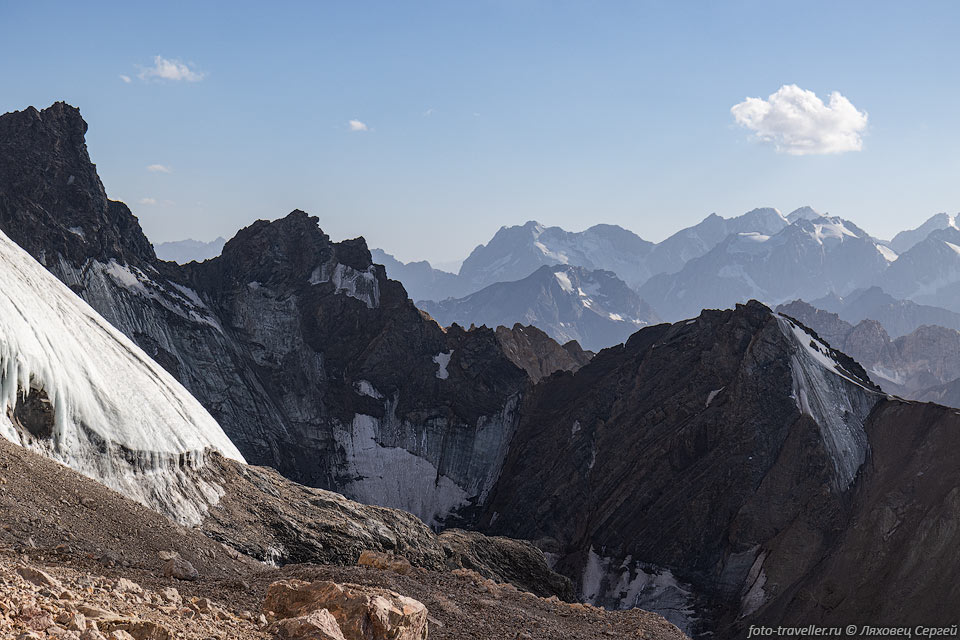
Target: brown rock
(316, 625)
(180, 569)
(139, 629)
(363, 613)
(38, 577)
(385, 561)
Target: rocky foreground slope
(79, 561)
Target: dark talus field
(731, 469)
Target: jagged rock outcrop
(504, 560)
(311, 360)
(537, 353)
(360, 612)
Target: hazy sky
(425, 126)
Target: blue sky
(482, 114)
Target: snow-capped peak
(803, 213)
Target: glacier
(76, 389)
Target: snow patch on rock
(442, 360)
(633, 584)
(362, 285)
(364, 388)
(712, 395)
(564, 281)
(394, 477)
(888, 254)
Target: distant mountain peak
(803, 213)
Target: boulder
(38, 577)
(180, 569)
(363, 613)
(316, 625)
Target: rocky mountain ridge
(81, 562)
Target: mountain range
(184, 251)
(719, 262)
(731, 468)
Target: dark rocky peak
(293, 254)
(687, 457)
(279, 252)
(51, 199)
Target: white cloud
(356, 125)
(148, 201)
(797, 122)
(429, 112)
(159, 168)
(126, 79)
(164, 69)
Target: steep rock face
(895, 560)
(698, 470)
(595, 308)
(52, 202)
(309, 357)
(383, 404)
